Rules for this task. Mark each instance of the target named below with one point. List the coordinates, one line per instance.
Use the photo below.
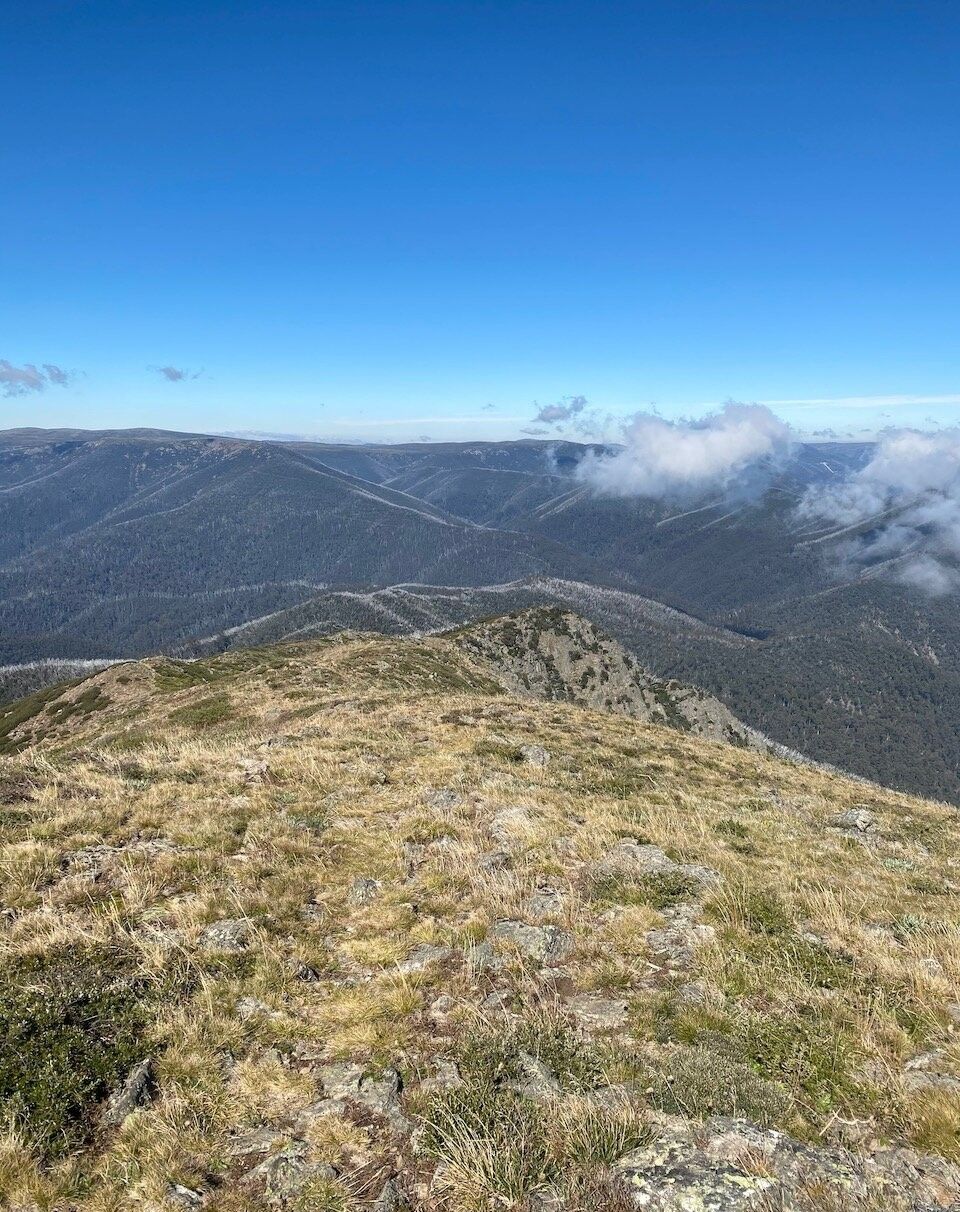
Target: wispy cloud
(176, 374)
(564, 410)
(22, 380)
(909, 491)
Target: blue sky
(395, 220)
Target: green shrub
(702, 1081)
(205, 713)
(73, 1022)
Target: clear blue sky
(382, 218)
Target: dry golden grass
(849, 948)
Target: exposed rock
(482, 957)
(727, 1165)
(184, 1197)
(363, 890)
(545, 902)
(549, 653)
(443, 799)
(535, 755)
(676, 942)
(250, 1007)
(441, 1006)
(537, 1080)
(346, 1082)
(253, 770)
(423, 955)
(930, 1071)
(134, 1092)
(446, 1076)
(230, 934)
(858, 820)
(286, 1173)
(507, 824)
(633, 859)
(545, 944)
(389, 1198)
(598, 1013)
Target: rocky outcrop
(548, 653)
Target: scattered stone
(506, 824)
(953, 1014)
(546, 1199)
(184, 1197)
(443, 799)
(727, 1165)
(495, 1002)
(634, 859)
(134, 1092)
(363, 890)
(253, 770)
(441, 1006)
(423, 955)
(302, 971)
(858, 820)
(346, 1082)
(389, 1198)
(928, 1071)
(286, 1173)
(545, 944)
(231, 934)
(599, 1013)
(535, 755)
(495, 860)
(446, 1076)
(250, 1007)
(446, 842)
(675, 943)
(481, 957)
(537, 1080)
(545, 902)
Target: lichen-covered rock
(596, 1013)
(231, 934)
(729, 1165)
(635, 860)
(546, 944)
(858, 820)
(134, 1092)
(423, 955)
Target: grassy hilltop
(347, 924)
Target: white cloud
(661, 458)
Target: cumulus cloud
(734, 448)
(909, 494)
(22, 380)
(564, 410)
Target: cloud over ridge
(910, 488)
(662, 458)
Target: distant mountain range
(124, 543)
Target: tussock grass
(833, 962)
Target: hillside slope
(114, 546)
(343, 924)
(554, 654)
